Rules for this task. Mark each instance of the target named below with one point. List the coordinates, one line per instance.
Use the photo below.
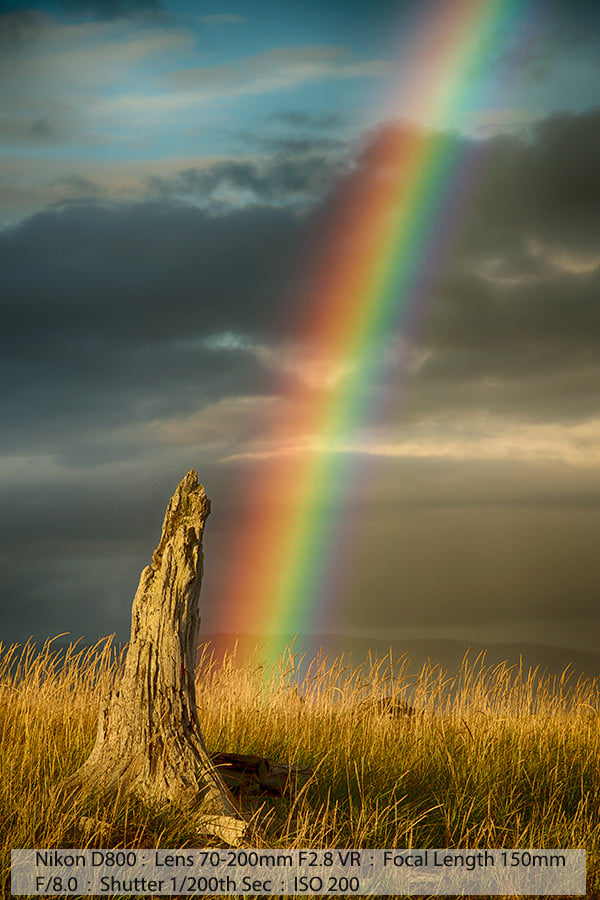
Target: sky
(170, 174)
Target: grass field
(494, 758)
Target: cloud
(141, 339)
(572, 28)
(481, 439)
(506, 318)
(111, 9)
(485, 438)
(300, 361)
(222, 19)
(301, 173)
(274, 70)
(113, 88)
(41, 128)
(305, 119)
(68, 81)
(18, 27)
(122, 294)
(79, 187)
(117, 307)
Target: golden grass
(498, 757)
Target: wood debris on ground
(251, 774)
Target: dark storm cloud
(108, 325)
(312, 136)
(74, 543)
(547, 186)
(303, 146)
(509, 315)
(119, 299)
(300, 168)
(502, 564)
(564, 180)
(554, 317)
(148, 272)
(308, 121)
(106, 309)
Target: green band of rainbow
(396, 216)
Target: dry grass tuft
(495, 757)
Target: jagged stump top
(190, 507)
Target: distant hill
(448, 654)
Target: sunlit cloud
(216, 427)
(573, 262)
(484, 440)
(293, 359)
(481, 438)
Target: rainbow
(396, 218)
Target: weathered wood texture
(149, 739)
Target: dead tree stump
(149, 740)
